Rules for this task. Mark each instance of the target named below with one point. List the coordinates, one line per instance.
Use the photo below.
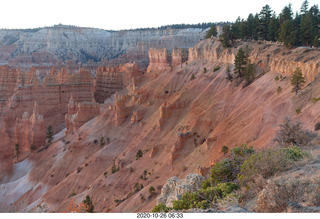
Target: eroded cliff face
(25, 124)
(52, 46)
(179, 124)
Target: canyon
(103, 115)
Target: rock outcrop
(29, 132)
(80, 113)
(179, 56)
(122, 111)
(159, 60)
(175, 188)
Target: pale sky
(129, 14)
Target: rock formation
(122, 111)
(175, 188)
(159, 59)
(80, 113)
(179, 56)
(29, 132)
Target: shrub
(102, 142)
(192, 77)
(205, 70)
(279, 90)
(315, 99)
(72, 194)
(276, 78)
(161, 208)
(242, 152)
(131, 169)
(139, 154)
(293, 134)
(223, 171)
(114, 169)
(216, 69)
(105, 174)
(137, 187)
(204, 198)
(317, 126)
(32, 147)
(95, 141)
(225, 149)
(152, 190)
(190, 200)
(265, 164)
(184, 168)
(108, 140)
(298, 110)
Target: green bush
(139, 154)
(298, 110)
(276, 78)
(190, 200)
(114, 169)
(102, 142)
(242, 152)
(204, 198)
(225, 149)
(216, 69)
(222, 172)
(161, 208)
(295, 153)
(205, 70)
(267, 163)
(192, 77)
(279, 90)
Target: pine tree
(225, 37)
(264, 20)
(316, 41)
(273, 29)
(89, 205)
(304, 7)
(49, 134)
(307, 29)
(240, 63)
(212, 31)
(229, 76)
(249, 73)
(297, 80)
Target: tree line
(301, 29)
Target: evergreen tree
(89, 205)
(212, 31)
(249, 72)
(225, 37)
(297, 80)
(240, 63)
(286, 14)
(264, 20)
(235, 29)
(229, 76)
(304, 7)
(273, 28)
(255, 27)
(285, 33)
(307, 29)
(316, 41)
(49, 134)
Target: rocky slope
(179, 124)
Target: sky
(130, 14)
